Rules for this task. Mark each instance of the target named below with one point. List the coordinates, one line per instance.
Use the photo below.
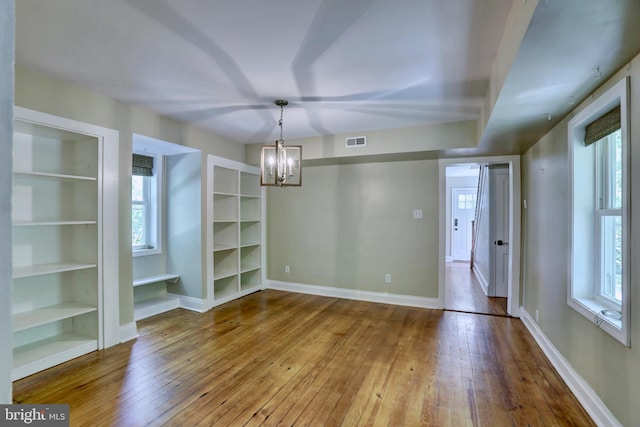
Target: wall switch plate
(417, 214)
(287, 269)
(387, 278)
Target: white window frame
(585, 213)
(605, 193)
(154, 213)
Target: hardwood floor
(277, 358)
(464, 292)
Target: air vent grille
(356, 141)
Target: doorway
(450, 270)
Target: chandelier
(279, 164)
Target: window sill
(146, 252)
(593, 311)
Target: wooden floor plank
(276, 358)
(464, 292)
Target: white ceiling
(344, 66)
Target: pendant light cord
(280, 123)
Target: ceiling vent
(356, 141)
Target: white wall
(7, 21)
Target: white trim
(513, 297)
(448, 258)
(128, 332)
(481, 279)
(209, 303)
(354, 294)
(190, 303)
(594, 406)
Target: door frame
(513, 298)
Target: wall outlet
(537, 315)
(417, 214)
(287, 269)
(387, 278)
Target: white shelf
(42, 316)
(50, 223)
(31, 358)
(48, 175)
(225, 275)
(223, 247)
(154, 279)
(249, 244)
(42, 269)
(249, 268)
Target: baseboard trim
(194, 304)
(354, 294)
(594, 406)
(128, 332)
(448, 258)
(483, 282)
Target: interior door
(500, 234)
(462, 214)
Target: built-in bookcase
(236, 222)
(58, 304)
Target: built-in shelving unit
(58, 283)
(236, 230)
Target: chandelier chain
(280, 122)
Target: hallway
(465, 294)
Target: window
(466, 201)
(145, 201)
(599, 232)
(609, 218)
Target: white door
(500, 234)
(462, 213)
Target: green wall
(611, 369)
(349, 225)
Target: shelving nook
(236, 230)
(59, 297)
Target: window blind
(142, 165)
(602, 126)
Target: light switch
(417, 214)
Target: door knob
(500, 243)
